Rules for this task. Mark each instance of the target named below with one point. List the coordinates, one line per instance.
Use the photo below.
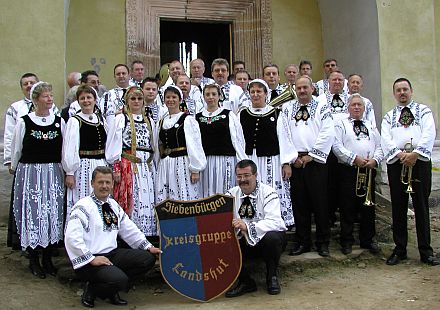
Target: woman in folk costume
(268, 143)
(223, 143)
(130, 150)
(181, 152)
(39, 180)
(83, 147)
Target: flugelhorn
(287, 95)
(406, 172)
(364, 185)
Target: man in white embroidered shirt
(259, 226)
(408, 134)
(357, 147)
(90, 240)
(313, 133)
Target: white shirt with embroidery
(111, 103)
(314, 136)
(337, 112)
(87, 235)
(323, 86)
(421, 131)
(231, 94)
(266, 204)
(348, 145)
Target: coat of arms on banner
(201, 255)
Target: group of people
(195, 137)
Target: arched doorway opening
(187, 40)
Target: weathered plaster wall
(96, 37)
(297, 34)
(33, 40)
(407, 36)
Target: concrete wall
(297, 34)
(33, 40)
(350, 35)
(96, 37)
(407, 36)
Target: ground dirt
(357, 281)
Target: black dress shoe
(346, 249)
(431, 260)
(273, 287)
(323, 251)
(117, 300)
(88, 298)
(298, 250)
(49, 268)
(373, 247)
(242, 287)
(35, 267)
(394, 259)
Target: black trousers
(334, 180)
(309, 195)
(422, 177)
(351, 204)
(269, 248)
(105, 281)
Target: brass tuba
(287, 95)
(406, 172)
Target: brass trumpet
(363, 185)
(406, 172)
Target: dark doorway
(213, 40)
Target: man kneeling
(258, 223)
(94, 224)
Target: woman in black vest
(223, 143)
(268, 143)
(181, 153)
(130, 150)
(39, 180)
(83, 147)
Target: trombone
(364, 185)
(406, 172)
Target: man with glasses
(408, 135)
(230, 93)
(329, 66)
(259, 226)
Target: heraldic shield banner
(201, 257)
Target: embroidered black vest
(42, 144)
(260, 132)
(216, 137)
(92, 138)
(174, 137)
